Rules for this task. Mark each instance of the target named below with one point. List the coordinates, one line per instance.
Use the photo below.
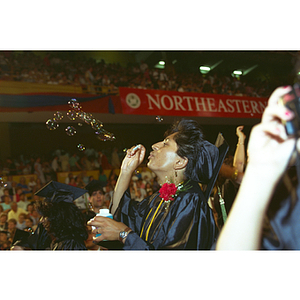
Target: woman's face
(163, 156)
(45, 222)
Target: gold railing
(20, 87)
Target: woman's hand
(108, 228)
(134, 157)
(269, 146)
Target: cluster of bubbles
(74, 113)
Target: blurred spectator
(55, 164)
(3, 221)
(23, 203)
(6, 193)
(6, 205)
(39, 171)
(23, 185)
(73, 163)
(4, 242)
(32, 184)
(64, 161)
(96, 196)
(103, 161)
(15, 211)
(32, 213)
(21, 224)
(29, 224)
(18, 192)
(68, 179)
(115, 160)
(10, 167)
(102, 177)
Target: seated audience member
(32, 184)
(6, 205)
(109, 191)
(68, 179)
(12, 229)
(32, 213)
(4, 241)
(72, 182)
(148, 189)
(3, 221)
(96, 195)
(24, 186)
(84, 177)
(6, 193)
(18, 192)
(23, 203)
(73, 162)
(21, 221)
(29, 224)
(146, 174)
(13, 189)
(102, 177)
(15, 211)
(270, 220)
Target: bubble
(52, 124)
(71, 115)
(58, 116)
(159, 119)
(81, 147)
(75, 105)
(96, 124)
(81, 115)
(88, 118)
(2, 183)
(70, 130)
(72, 102)
(104, 135)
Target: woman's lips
(150, 156)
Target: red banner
(169, 103)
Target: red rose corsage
(169, 191)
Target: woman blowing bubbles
(178, 216)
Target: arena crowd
(101, 77)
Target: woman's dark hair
(65, 220)
(202, 156)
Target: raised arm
(132, 160)
(269, 151)
(239, 155)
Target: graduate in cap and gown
(62, 225)
(177, 216)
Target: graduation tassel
(222, 205)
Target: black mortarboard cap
(53, 188)
(21, 236)
(94, 185)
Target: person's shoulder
(193, 189)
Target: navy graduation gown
(187, 223)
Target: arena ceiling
(274, 66)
